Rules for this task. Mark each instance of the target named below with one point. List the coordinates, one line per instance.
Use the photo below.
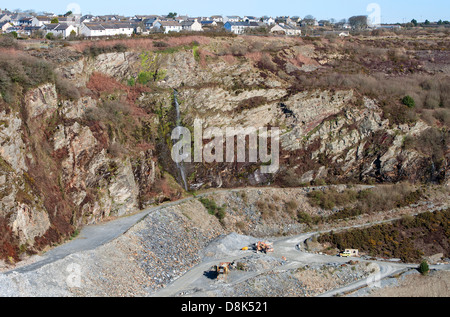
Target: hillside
(85, 126)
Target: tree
(414, 22)
(54, 20)
(172, 15)
(72, 35)
(427, 22)
(68, 13)
(424, 268)
(358, 22)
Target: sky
(389, 11)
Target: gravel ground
(278, 281)
(413, 284)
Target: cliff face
(65, 163)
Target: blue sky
(391, 10)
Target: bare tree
(358, 22)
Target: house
(239, 27)
(286, 30)
(194, 26)
(87, 18)
(231, 18)
(181, 18)
(5, 18)
(30, 30)
(60, 29)
(26, 21)
(217, 18)
(209, 23)
(168, 26)
(40, 20)
(250, 19)
(5, 26)
(92, 29)
(149, 23)
(95, 29)
(72, 20)
(268, 20)
(111, 18)
(390, 26)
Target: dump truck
(222, 269)
(264, 247)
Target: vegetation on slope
(408, 239)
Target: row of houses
(112, 25)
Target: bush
(66, 90)
(8, 41)
(212, 208)
(409, 102)
(24, 71)
(144, 78)
(424, 268)
(160, 44)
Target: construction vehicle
(264, 247)
(349, 253)
(244, 249)
(222, 269)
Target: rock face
(65, 163)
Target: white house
(60, 29)
(239, 27)
(149, 23)
(96, 29)
(92, 29)
(217, 18)
(268, 20)
(168, 26)
(208, 23)
(192, 26)
(26, 21)
(250, 19)
(231, 18)
(4, 26)
(40, 20)
(286, 29)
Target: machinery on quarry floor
(264, 247)
(222, 269)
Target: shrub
(66, 90)
(409, 102)
(50, 36)
(424, 268)
(291, 207)
(24, 71)
(8, 41)
(144, 78)
(213, 209)
(160, 44)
